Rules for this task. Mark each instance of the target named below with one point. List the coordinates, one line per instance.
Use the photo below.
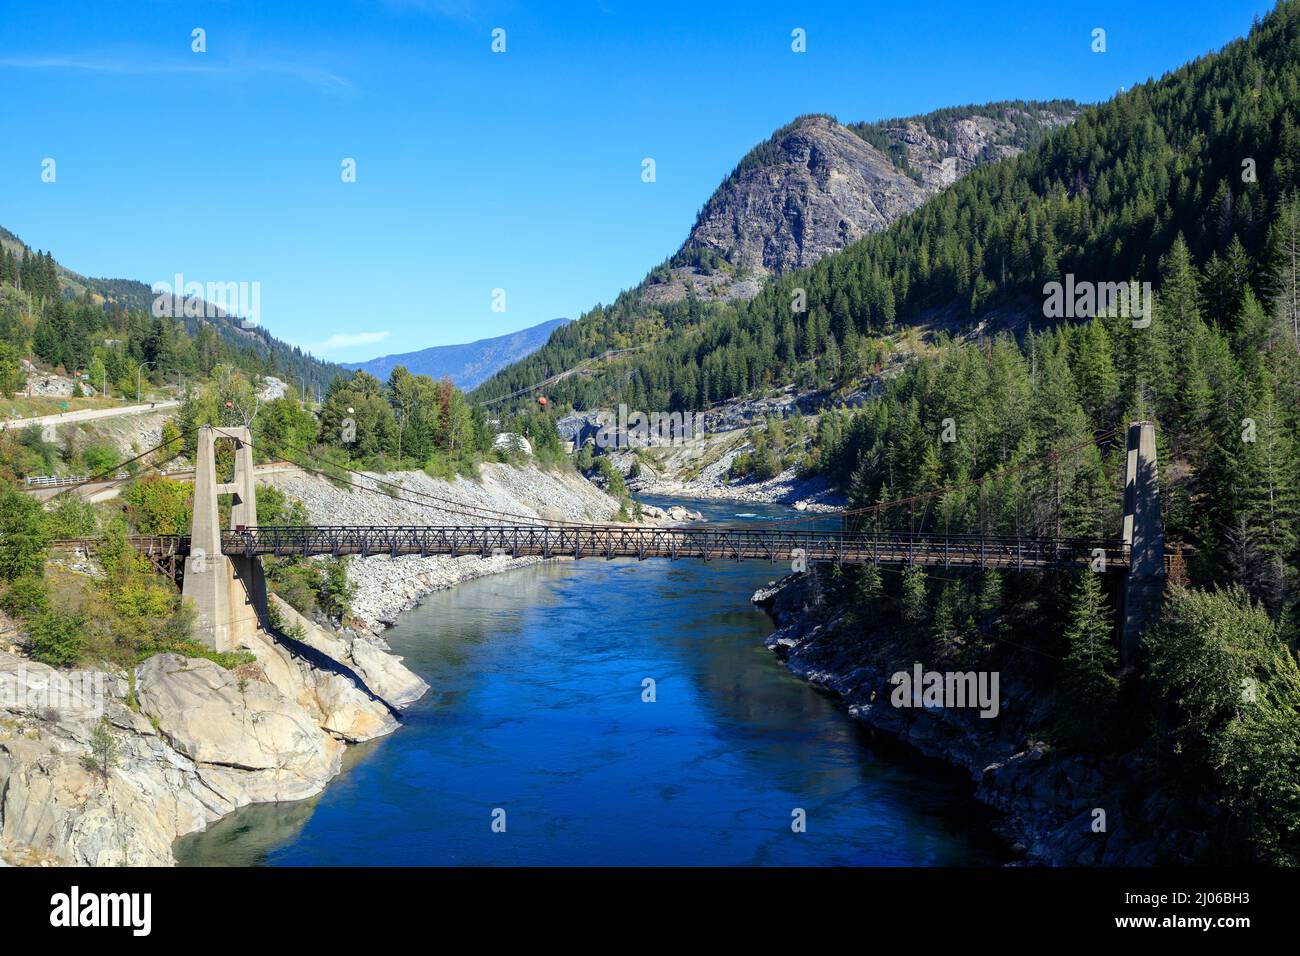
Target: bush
(335, 592)
(26, 596)
(103, 751)
(1232, 689)
(274, 507)
(72, 517)
(613, 477)
(24, 534)
(42, 454)
(914, 603)
(100, 459)
(157, 505)
(56, 637)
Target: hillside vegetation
(107, 325)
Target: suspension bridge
(221, 573)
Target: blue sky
(477, 171)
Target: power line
(447, 505)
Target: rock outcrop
(190, 742)
(825, 188)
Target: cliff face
(190, 742)
(817, 186)
(825, 188)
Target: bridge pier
(228, 594)
(1144, 539)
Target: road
(88, 415)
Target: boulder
(248, 741)
(366, 660)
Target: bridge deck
(628, 541)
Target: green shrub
(157, 505)
(24, 534)
(56, 637)
(100, 459)
(103, 751)
(1232, 689)
(26, 596)
(72, 517)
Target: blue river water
(537, 717)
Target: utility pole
(140, 368)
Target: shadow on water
(537, 709)
(245, 837)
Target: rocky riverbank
(702, 474)
(1049, 798)
(108, 768)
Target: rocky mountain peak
(816, 186)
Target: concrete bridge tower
(229, 594)
(1144, 539)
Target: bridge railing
(613, 540)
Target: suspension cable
(400, 493)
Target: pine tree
(1090, 661)
(914, 603)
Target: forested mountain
(812, 188)
(74, 308)
(466, 365)
(1207, 152)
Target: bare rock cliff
(817, 186)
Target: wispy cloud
(339, 342)
(144, 65)
(464, 10)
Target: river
(537, 719)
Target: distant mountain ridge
(469, 364)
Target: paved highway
(87, 415)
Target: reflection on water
(537, 709)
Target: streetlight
(140, 368)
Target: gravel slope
(388, 586)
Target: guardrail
(53, 481)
